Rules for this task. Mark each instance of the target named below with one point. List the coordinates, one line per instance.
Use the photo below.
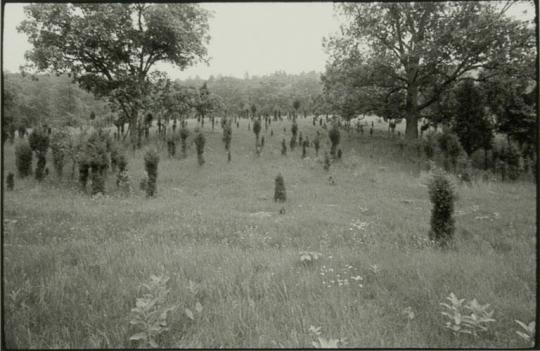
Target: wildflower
(357, 278)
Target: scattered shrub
(10, 181)
(84, 171)
(200, 140)
(317, 145)
(171, 145)
(442, 197)
(184, 134)
(511, 157)
(451, 149)
(227, 136)
(339, 153)
(151, 161)
(429, 145)
(229, 156)
(23, 159)
(39, 143)
(305, 145)
(464, 168)
(279, 189)
(326, 162)
(257, 130)
(334, 136)
(59, 146)
(283, 147)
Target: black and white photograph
(269, 175)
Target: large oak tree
(110, 49)
(401, 57)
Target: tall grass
(74, 264)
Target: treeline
(48, 99)
(269, 93)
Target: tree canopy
(109, 49)
(399, 58)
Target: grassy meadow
(74, 265)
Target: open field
(73, 265)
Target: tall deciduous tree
(109, 49)
(408, 54)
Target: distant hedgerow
(442, 197)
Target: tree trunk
(411, 128)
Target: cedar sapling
(151, 161)
(280, 194)
(334, 136)
(200, 140)
(10, 181)
(442, 197)
(23, 159)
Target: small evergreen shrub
(283, 147)
(511, 158)
(97, 148)
(326, 161)
(151, 161)
(39, 143)
(229, 156)
(429, 146)
(200, 140)
(10, 181)
(317, 145)
(23, 159)
(227, 136)
(442, 197)
(334, 136)
(59, 146)
(451, 149)
(262, 141)
(257, 130)
(171, 145)
(84, 172)
(184, 134)
(279, 189)
(305, 145)
(339, 153)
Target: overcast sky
(257, 38)
(254, 38)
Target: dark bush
(200, 140)
(171, 145)
(317, 145)
(257, 130)
(23, 159)
(59, 146)
(279, 189)
(334, 136)
(305, 145)
(451, 149)
(326, 162)
(283, 147)
(442, 197)
(10, 181)
(39, 143)
(511, 157)
(184, 134)
(227, 136)
(151, 161)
